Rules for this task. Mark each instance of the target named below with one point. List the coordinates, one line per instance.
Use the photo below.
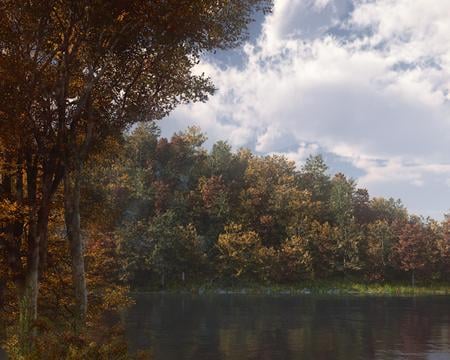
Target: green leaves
(236, 215)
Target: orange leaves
(121, 17)
(410, 249)
(214, 194)
(11, 211)
(266, 220)
(210, 189)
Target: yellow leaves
(116, 298)
(11, 211)
(242, 254)
(235, 238)
(238, 250)
(296, 258)
(11, 346)
(122, 16)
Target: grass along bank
(330, 287)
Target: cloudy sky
(364, 82)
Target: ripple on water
(239, 326)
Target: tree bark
(43, 219)
(29, 283)
(72, 218)
(27, 278)
(28, 295)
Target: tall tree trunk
(72, 218)
(72, 184)
(42, 228)
(28, 295)
(52, 175)
(29, 283)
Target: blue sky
(364, 82)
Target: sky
(365, 83)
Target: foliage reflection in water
(231, 326)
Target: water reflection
(289, 327)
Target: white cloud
(321, 4)
(301, 153)
(378, 92)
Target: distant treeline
(180, 213)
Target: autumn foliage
(94, 201)
(234, 217)
(74, 76)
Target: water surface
(231, 326)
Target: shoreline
(305, 288)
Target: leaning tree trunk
(72, 219)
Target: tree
(29, 179)
(350, 236)
(361, 206)
(238, 252)
(162, 247)
(76, 71)
(438, 248)
(321, 242)
(444, 248)
(271, 201)
(314, 178)
(388, 209)
(411, 249)
(231, 167)
(380, 239)
(341, 200)
(296, 259)
(221, 160)
(213, 210)
(176, 250)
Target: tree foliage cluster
(183, 212)
(73, 76)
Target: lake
(238, 326)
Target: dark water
(289, 327)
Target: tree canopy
(74, 75)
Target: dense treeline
(181, 213)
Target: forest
(161, 213)
(179, 212)
(94, 203)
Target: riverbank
(320, 287)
